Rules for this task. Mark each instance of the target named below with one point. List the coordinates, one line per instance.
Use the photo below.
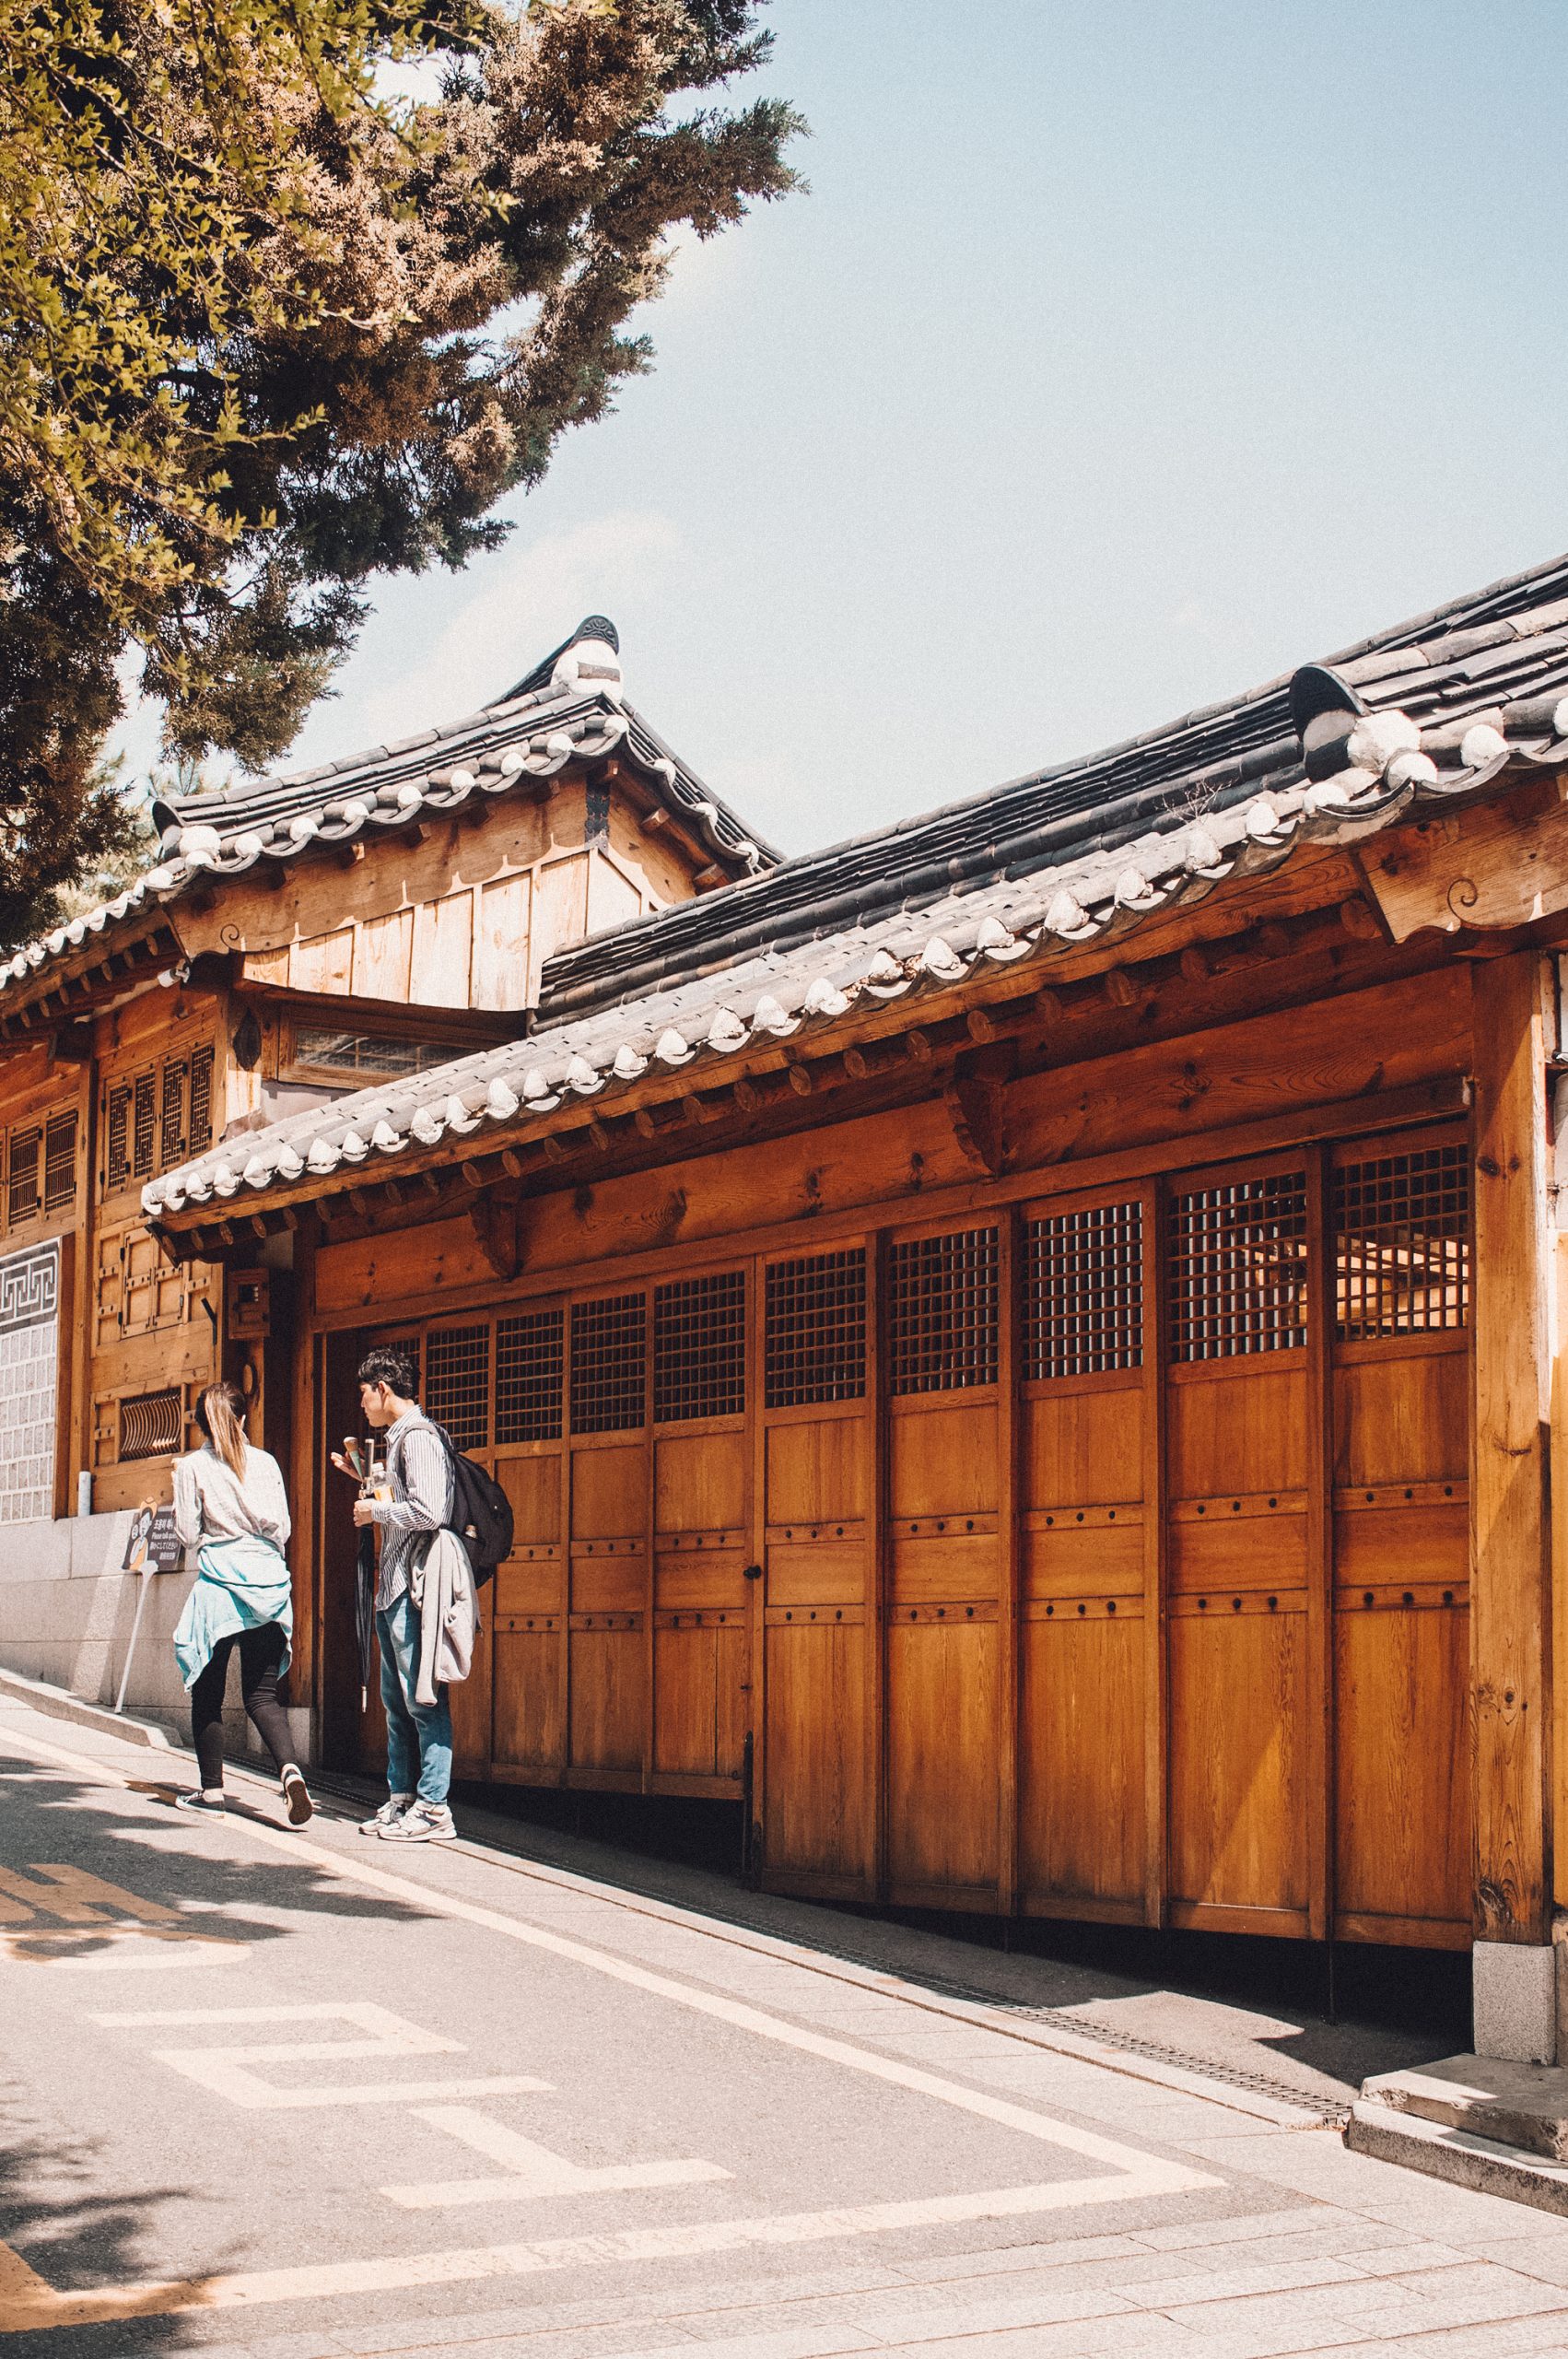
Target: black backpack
(482, 1513)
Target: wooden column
(1510, 1620)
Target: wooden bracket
(975, 1101)
(496, 1221)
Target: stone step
(1458, 2156)
(1519, 2105)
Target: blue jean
(420, 1736)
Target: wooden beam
(1509, 1587)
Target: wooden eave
(98, 975)
(1194, 970)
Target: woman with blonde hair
(230, 1507)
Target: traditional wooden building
(1023, 1345)
(379, 916)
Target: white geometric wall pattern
(30, 1359)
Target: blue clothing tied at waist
(242, 1585)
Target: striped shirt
(420, 1474)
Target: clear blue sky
(1120, 357)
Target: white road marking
(1134, 2175)
(222, 2070)
(531, 2170)
(24, 2309)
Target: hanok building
(1021, 1346)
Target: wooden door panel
(608, 1688)
(470, 1700)
(1081, 1762)
(529, 1730)
(610, 1490)
(1083, 1448)
(1237, 1699)
(699, 1668)
(1403, 1798)
(942, 1754)
(818, 1470)
(942, 1462)
(1239, 1432)
(1103, 1556)
(1402, 1420)
(818, 1823)
(700, 1481)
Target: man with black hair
(420, 1736)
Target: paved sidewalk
(294, 2096)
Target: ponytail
(220, 1413)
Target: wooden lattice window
(609, 1357)
(531, 1354)
(1402, 1241)
(1083, 1292)
(699, 1348)
(942, 1311)
(1238, 1262)
(60, 1163)
(151, 1425)
(144, 1136)
(198, 1130)
(457, 1383)
(117, 1125)
(171, 1122)
(814, 1328)
(23, 1195)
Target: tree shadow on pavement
(50, 1816)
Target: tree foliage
(265, 332)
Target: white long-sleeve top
(211, 1502)
(420, 1477)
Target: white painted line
(533, 2170)
(223, 2070)
(22, 2309)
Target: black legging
(261, 1652)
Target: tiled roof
(1504, 646)
(569, 708)
(1079, 856)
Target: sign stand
(154, 1546)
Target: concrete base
(1458, 2156)
(67, 1614)
(1522, 2105)
(1514, 1988)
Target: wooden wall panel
(383, 951)
(443, 970)
(500, 956)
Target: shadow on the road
(51, 1816)
(74, 2239)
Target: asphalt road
(290, 2095)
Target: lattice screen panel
(198, 1130)
(609, 1357)
(943, 1304)
(814, 1328)
(171, 1115)
(457, 1383)
(60, 1163)
(145, 1140)
(22, 1193)
(152, 1425)
(531, 1356)
(1083, 1292)
(1237, 1268)
(1402, 1243)
(29, 1343)
(699, 1348)
(117, 1151)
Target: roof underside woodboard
(569, 710)
(1072, 859)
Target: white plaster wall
(66, 1610)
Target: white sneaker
(392, 1810)
(422, 1823)
(297, 1797)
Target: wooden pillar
(1510, 1617)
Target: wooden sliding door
(1239, 1471)
(528, 1739)
(947, 1501)
(1401, 1547)
(609, 1488)
(1089, 1763)
(816, 1489)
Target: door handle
(752, 1573)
